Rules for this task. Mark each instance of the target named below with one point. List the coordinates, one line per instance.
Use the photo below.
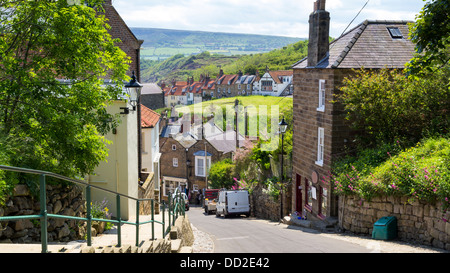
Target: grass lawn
(255, 113)
(284, 103)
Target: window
(321, 96)
(170, 186)
(395, 33)
(200, 165)
(174, 147)
(175, 162)
(320, 146)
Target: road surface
(251, 235)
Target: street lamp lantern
(283, 126)
(133, 89)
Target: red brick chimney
(319, 32)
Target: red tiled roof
(280, 73)
(149, 118)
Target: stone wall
(263, 206)
(179, 240)
(147, 191)
(417, 222)
(64, 200)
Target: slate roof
(150, 88)
(170, 130)
(226, 142)
(368, 45)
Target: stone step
(175, 246)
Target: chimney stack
(319, 32)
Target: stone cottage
(186, 157)
(320, 131)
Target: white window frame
(175, 162)
(322, 89)
(320, 146)
(201, 171)
(174, 147)
(170, 186)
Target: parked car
(185, 198)
(209, 204)
(233, 203)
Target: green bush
(221, 174)
(420, 173)
(386, 105)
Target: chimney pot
(319, 30)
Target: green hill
(180, 67)
(160, 44)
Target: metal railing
(175, 206)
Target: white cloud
(273, 17)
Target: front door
(298, 194)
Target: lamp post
(283, 126)
(236, 107)
(133, 88)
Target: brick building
(320, 132)
(234, 85)
(274, 83)
(152, 96)
(128, 41)
(186, 158)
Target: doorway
(298, 194)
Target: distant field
(163, 53)
(160, 44)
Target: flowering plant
(421, 172)
(101, 211)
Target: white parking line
(233, 238)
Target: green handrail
(174, 208)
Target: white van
(233, 203)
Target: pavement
(108, 238)
(203, 242)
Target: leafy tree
(431, 34)
(55, 56)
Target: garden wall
(64, 200)
(417, 222)
(263, 206)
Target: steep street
(250, 235)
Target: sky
(267, 17)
